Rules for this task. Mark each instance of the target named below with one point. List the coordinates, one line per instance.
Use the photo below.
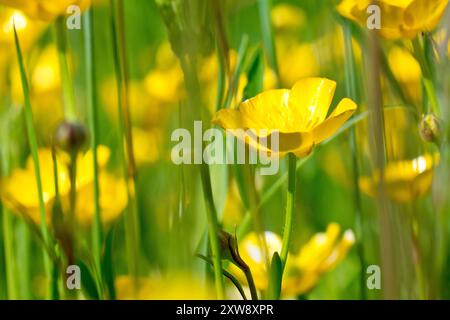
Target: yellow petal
(113, 199)
(309, 101)
(314, 253)
(339, 252)
(267, 111)
(338, 117)
(424, 15)
(85, 167)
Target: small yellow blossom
(19, 191)
(287, 17)
(299, 115)
(322, 253)
(399, 18)
(407, 71)
(45, 90)
(45, 9)
(405, 180)
(176, 287)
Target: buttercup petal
(309, 101)
(338, 117)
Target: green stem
(268, 39)
(34, 153)
(242, 53)
(428, 83)
(97, 231)
(11, 281)
(66, 80)
(290, 207)
(11, 284)
(352, 93)
(213, 228)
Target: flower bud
(230, 250)
(70, 136)
(430, 128)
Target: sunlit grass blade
(267, 34)
(97, 231)
(66, 80)
(350, 75)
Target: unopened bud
(230, 250)
(70, 136)
(430, 128)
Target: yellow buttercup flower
(176, 287)
(322, 253)
(299, 115)
(404, 180)
(19, 191)
(44, 9)
(399, 18)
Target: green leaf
(275, 277)
(88, 284)
(107, 264)
(255, 76)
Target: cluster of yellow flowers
(45, 9)
(19, 192)
(399, 18)
(320, 254)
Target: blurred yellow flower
(27, 30)
(19, 191)
(45, 90)
(287, 17)
(322, 253)
(296, 61)
(45, 9)
(403, 181)
(399, 18)
(165, 83)
(407, 71)
(176, 287)
(299, 115)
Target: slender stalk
(11, 281)
(427, 79)
(66, 80)
(234, 83)
(352, 93)
(97, 231)
(213, 227)
(290, 207)
(268, 39)
(125, 132)
(34, 153)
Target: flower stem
(290, 207)
(66, 80)
(352, 94)
(34, 153)
(213, 227)
(97, 232)
(268, 39)
(11, 281)
(428, 83)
